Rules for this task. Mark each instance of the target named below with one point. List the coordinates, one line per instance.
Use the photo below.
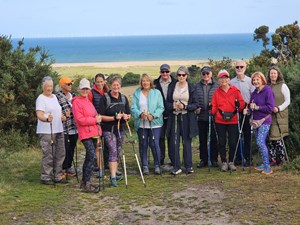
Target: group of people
(166, 112)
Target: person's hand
(252, 105)
(180, 105)
(98, 118)
(245, 111)
(144, 116)
(50, 118)
(275, 110)
(237, 103)
(119, 116)
(126, 116)
(198, 110)
(63, 118)
(68, 113)
(175, 105)
(150, 117)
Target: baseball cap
(223, 73)
(84, 83)
(205, 69)
(65, 80)
(164, 67)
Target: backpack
(118, 105)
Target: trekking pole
(155, 149)
(123, 154)
(251, 139)
(175, 141)
(53, 158)
(183, 149)
(100, 160)
(208, 140)
(135, 155)
(285, 151)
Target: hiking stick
(208, 140)
(123, 154)
(175, 142)
(135, 155)
(100, 160)
(285, 151)
(53, 163)
(251, 139)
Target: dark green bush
(130, 79)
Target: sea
(147, 48)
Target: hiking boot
(176, 171)
(88, 187)
(157, 170)
(47, 182)
(273, 163)
(231, 166)
(113, 182)
(167, 167)
(119, 177)
(118, 173)
(190, 170)
(267, 170)
(215, 164)
(224, 167)
(146, 170)
(62, 180)
(260, 167)
(202, 164)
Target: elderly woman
(115, 110)
(65, 96)
(50, 131)
(226, 102)
(87, 121)
(262, 105)
(280, 123)
(147, 109)
(182, 101)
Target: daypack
(116, 106)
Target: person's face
(84, 92)
(181, 76)
(224, 81)
(257, 82)
(240, 68)
(100, 82)
(115, 87)
(67, 87)
(273, 75)
(206, 76)
(48, 88)
(165, 75)
(146, 83)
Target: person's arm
(157, 97)
(79, 116)
(135, 108)
(287, 98)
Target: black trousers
(70, 144)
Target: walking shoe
(62, 180)
(231, 166)
(47, 182)
(215, 164)
(190, 170)
(118, 173)
(175, 172)
(146, 170)
(157, 170)
(166, 167)
(99, 174)
(267, 170)
(113, 182)
(70, 172)
(260, 167)
(273, 163)
(119, 177)
(88, 187)
(202, 164)
(224, 167)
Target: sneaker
(99, 174)
(88, 187)
(113, 182)
(47, 182)
(215, 164)
(71, 171)
(166, 167)
(119, 177)
(62, 181)
(224, 167)
(175, 172)
(157, 170)
(231, 166)
(146, 170)
(190, 170)
(273, 163)
(260, 167)
(267, 170)
(118, 173)
(202, 164)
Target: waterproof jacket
(225, 101)
(193, 104)
(155, 107)
(95, 96)
(281, 117)
(205, 93)
(158, 87)
(85, 118)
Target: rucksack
(111, 105)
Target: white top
(244, 85)
(182, 95)
(49, 105)
(287, 97)
(144, 108)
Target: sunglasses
(69, 84)
(205, 73)
(181, 75)
(239, 67)
(165, 71)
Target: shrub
(130, 79)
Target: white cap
(84, 83)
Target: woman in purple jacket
(262, 104)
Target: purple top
(266, 102)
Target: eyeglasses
(205, 73)
(181, 75)
(165, 71)
(239, 67)
(69, 84)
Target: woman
(87, 121)
(227, 101)
(262, 105)
(100, 87)
(50, 131)
(147, 109)
(65, 96)
(182, 101)
(114, 108)
(280, 124)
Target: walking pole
(135, 155)
(123, 154)
(175, 141)
(155, 149)
(208, 140)
(250, 155)
(100, 161)
(53, 163)
(285, 151)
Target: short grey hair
(45, 80)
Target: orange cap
(65, 80)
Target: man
(243, 83)
(162, 84)
(206, 88)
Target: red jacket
(85, 118)
(225, 101)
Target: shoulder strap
(108, 99)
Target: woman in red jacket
(87, 122)
(226, 100)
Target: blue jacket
(155, 107)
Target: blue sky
(73, 18)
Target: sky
(77, 18)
